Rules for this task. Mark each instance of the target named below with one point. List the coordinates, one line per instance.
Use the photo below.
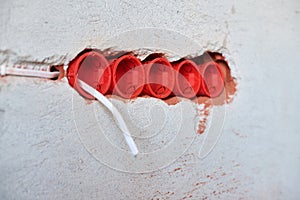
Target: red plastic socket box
(92, 68)
(213, 79)
(188, 79)
(160, 78)
(128, 76)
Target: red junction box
(128, 76)
(188, 79)
(160, 78)
(213, 79)
(92, 68)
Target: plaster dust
(256, 155)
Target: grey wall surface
(257, 156)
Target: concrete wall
(257, 156)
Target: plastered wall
(43, 154)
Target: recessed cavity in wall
(205, 80)
(123, 75)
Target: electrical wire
(119, 119)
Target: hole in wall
(216, 85)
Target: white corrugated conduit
(28, 70)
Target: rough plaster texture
(257, 155)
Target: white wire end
(130, 142)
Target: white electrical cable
(122, 125)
